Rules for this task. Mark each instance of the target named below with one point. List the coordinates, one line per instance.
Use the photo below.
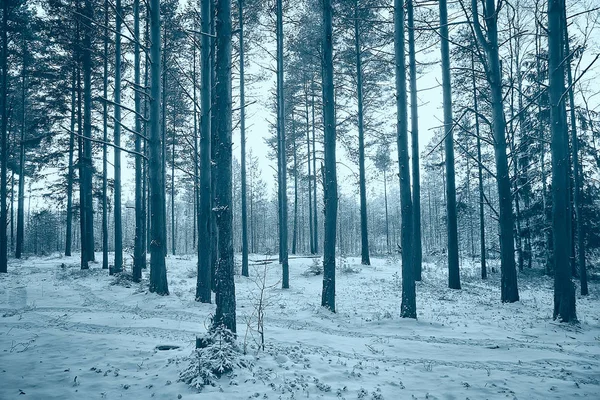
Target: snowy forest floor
(72, 334)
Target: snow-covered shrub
(124, 278)
(316, 268)
(218, 356)
(345, 267)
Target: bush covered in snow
(316, 268)
(218, 356)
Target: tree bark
(104, 146)
(364, 232)
(310, 203)
(70, 177)
(408, 308)
(281, 151)
(87, 133)
(564, 292)
(21, 198)
(243, 143)
(295, 228)
(203, 285)
(118, 267)
(577, 172)
(330, 195)
(314, 149)
(509, 288)
(4, 144)
(139, 258)
(158, 270)
(480, 176)
(452, 219)
(414, 134)
(225, 314)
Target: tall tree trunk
(509, 288)
(145, 190)
(310, 203)
(408, 309)
(173, 226)
(203, 285)
(564, 292)
(387, 220)
(295, 231)
(214, 233)
(21, 198)
(80, 160)
(118, 267)
(547, 224)
(139, 257)
(330, 190)
(196, 151)
(243, 143)
(364, 232)
(88, 14)
(4, 144)
(452, 219)
(225, 285)
(164, 136)
(104, 145)
(577, 171)
(158, 269)
(480, 175)
(414, 134)
(70, 177)
(281, 151)
(314, 149)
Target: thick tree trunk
(173, 226)
(118, 267)
(164, 136)
(414, 134)
(564, 292)
(509, 288)
(139, 257)
(314, 150)
(577, 172)
(243, 143)
(408, 309)
(330, 191)
(452, 218)
(364, 232)
(104, 146)
(4, 144)
(203, 285)
(214, 233)
(145, 189)
(158, 270)
(225, 285)
(87, 133)
(281, 152)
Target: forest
(355, 199)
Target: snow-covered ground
(72, 334)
